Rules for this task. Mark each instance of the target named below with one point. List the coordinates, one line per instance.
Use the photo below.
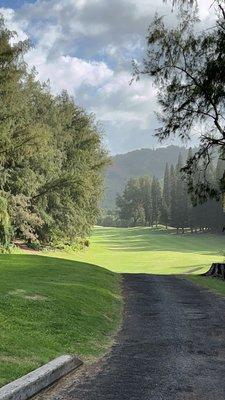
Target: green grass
(154, 251)
(213, 284)
(50, 307)
(58, 303)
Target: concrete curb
(32, 383)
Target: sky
(87, 47)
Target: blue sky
(15, 4)
(86, 47)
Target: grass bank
(51, 306)
(213, 284)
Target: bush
(6, 249)
(34, 246)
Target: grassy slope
(145, 250)
(50, 307)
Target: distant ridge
(143, 162)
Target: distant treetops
(146, 201)
(51, 156)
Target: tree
(182, 197)
(156, 200)
(135, 202)
(51, 155)
(188, 68)
(145, 197)
(173, 197)
(4, 222)
(129, 203)
(165, 211)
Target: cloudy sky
(86, 47)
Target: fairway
(152, 251)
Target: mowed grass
(50, 307)
(58, 303)
(153, 251)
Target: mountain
(144, 162)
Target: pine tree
(182, 197)
(156, 201)
(145, 199)
(165, 210)
(173, 197)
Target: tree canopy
(187, 64)
(51, 155)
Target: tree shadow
(147, 239)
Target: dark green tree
(187, 65)
(51, 155)
(156, 201)
(165, 211)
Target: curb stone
(37, 380)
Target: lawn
(50, 307)
(59, 303)
(154, 251)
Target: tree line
(149, 202)
(51, 156)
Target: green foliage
(51, 157)
(145, 202)
(4, 222)
(134, 164)
(187, 65)
(134, 205)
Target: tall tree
(130, 203)
(51, 155)
(187, 65)
(165, 211)
(156, 200)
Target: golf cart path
(171, 346)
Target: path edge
(39, 379)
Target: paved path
(171, 346)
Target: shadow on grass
(148, 239)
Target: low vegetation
(215, 285)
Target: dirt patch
(22, 293)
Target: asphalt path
(171, 346)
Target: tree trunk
(216, 270)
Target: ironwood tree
(51, 156)
(187, 65)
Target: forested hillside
(51, 156)
(149, 202)
(144, 162)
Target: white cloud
(69, 73)
(86, 47)
(13, 24)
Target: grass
(213, 284)
(50, 307)
(58, 303)
(154, 251)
